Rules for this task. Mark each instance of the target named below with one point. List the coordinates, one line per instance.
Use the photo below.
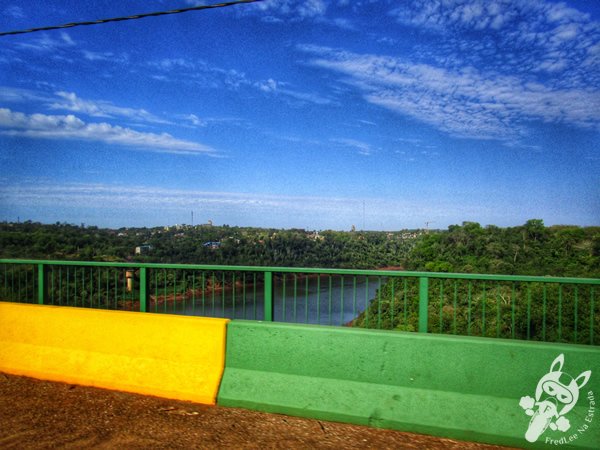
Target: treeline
(559, 312)
(529, 249)
(216, 245)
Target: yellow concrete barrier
(168, 356)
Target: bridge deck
(41, 414)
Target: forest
(559, 312)
(529, 249)
(208, 244)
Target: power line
(132, 17)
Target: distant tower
(427, 226)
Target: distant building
(143, 249)
(212, 244)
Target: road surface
(40, 414)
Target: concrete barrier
(163, 355)
(457, 387)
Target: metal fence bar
(592, 310)
(405, 298)
(575, 314)
(268, 311)
(143, 290)
(42, 286)
(393, 306)
(423, 303)
(560, 291)
(295, 298)
(283, 296)
(544, 294)
(484, 304)
(469, 308)
(367, 302)
(455, 308)
(441, 307)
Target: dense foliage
(530, 249)
(560, 312)
(207, 244)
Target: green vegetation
(216, 245)
(530, 249)
(556, 312)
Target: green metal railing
(502, 306)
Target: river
(326, 300)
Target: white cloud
(289, 9)
(48, 43)
(366, 122)
(119, 196)
(277, 88)
(10, 94)
(195, 120)
(198, 72)
(210, 76)
(69, 101)
(462, 102)
(312, 8)
(70, 127)
(14, 11)
(363, 148)
(105, 56)
(154, 203)
(269, 85)
(513, 36)
(305, 97)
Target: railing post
(423, 303)
(42, 284)
(269, 296)
(143, 290)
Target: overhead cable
(132, 17)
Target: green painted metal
(268, 314)
(42, 287)
(312, 270)
(451, 386)
(143, 289)
(423, 304)
(592, 318)
(484, 300)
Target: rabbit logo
(556, 394)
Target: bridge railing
(550, 309)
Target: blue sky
(309, 114)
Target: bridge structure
(509, 360)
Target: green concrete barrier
(475, 389)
